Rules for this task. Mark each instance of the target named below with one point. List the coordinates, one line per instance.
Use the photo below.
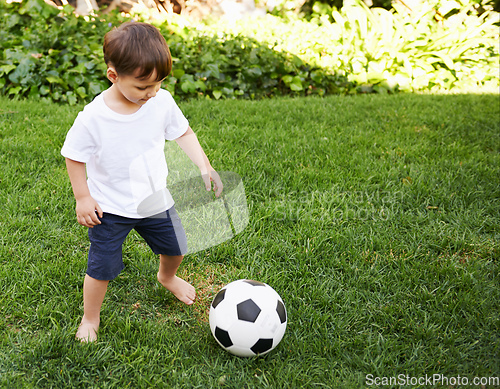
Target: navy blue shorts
(163, 233)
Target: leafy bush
(394, 50)
(58, 55)
(45, 52)
(54, 54)
(413, 52)
(222, 65)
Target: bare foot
(87, 332)
(180, 288)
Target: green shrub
(394, 50)
(56, 55)
(413, 52)
(48, 53)
(237, 66)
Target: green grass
(375, 217)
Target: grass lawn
(376, 218)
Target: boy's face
(133, 89)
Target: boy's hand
(212, 176)
(189, 143)
(87, 212)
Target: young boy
(116, 164)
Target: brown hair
(136, 46)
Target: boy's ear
(112, 74)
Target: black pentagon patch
(219, 298)
(281, 312)
(254, 283)
(248, 311)
(262, 346)
(223, 337)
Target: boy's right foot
(87, 332)
(181, 289)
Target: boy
(115, 160)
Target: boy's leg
(104, 264)
(166, 276)
(93, 296)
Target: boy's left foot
(181, 289)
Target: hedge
(53, 54)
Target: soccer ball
(248, 318)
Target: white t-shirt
(124, 154)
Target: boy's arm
(190, 145)
(86, 206)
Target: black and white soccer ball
(248, 318)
